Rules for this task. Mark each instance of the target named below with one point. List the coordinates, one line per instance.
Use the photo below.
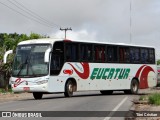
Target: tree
(158, 62)
(35, 36)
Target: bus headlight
(42, 82)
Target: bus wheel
(106, 92)
(134, 87)
(68, 89)
(37, 95)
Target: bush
(4, 91)
(154, 99)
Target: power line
(29, 13)
(28, 17)
(130, 21)
(35, 14)
(24, 15)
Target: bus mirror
(46, 55)
(6, 55)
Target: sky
(119, 21)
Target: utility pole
(130, 21)
(65, 30)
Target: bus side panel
(56, 84)
(103, 76)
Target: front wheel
(37, 95)
(68, 89)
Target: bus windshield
(29, 61)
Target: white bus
(65, 66)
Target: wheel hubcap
(70, 88)
(134, 87)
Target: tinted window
(99, 53)
(144, 55)
(112, 55)
(124, 54)
(151, 56)
(86, 52)
(72, 52)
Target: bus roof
(39, 41)
(51, 41)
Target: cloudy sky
(96, 20)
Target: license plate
(26, 88)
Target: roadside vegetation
(3, 91)
(158, 62)
(153, 99)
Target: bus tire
(37, 95)
(68, 89)
(106, 92)
(134, 87)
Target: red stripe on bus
(144, 77)
(86, 70)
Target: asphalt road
(81, 101)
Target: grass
(154, 99)
(2, 90)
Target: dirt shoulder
(5, 97)
(142, 110)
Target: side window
(144, 55)
(68, 52)
(137, 55)
(83, 52)
(90, 52)
(124, 54)
(99, 53)
(112, 55)
(151, 56)
(86, 52)
(134, 55)
(71, 50)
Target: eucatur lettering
(110, 73)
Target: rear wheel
(134, 87)
(69, 89)
(106, 92)
(37, 95)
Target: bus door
(57, 58)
